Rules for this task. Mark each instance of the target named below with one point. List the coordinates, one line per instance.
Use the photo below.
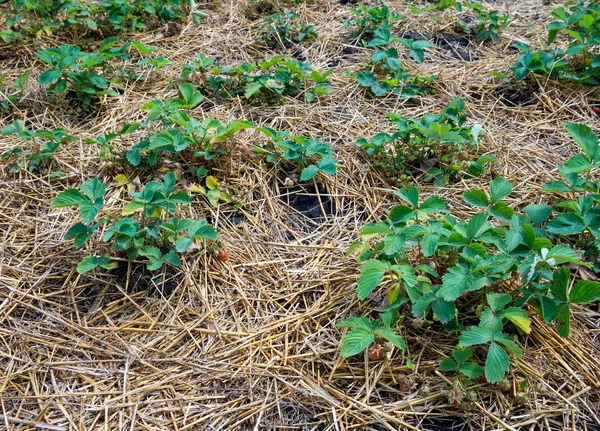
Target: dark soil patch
(511, 96)
(307, 200)
(156, 283)
(413, 34)
(456, 46)
(350, 50)
(444, 424)
(255, 11)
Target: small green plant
(385, 73)
(580, 62)
(86, 75)
(487, 25)
(285, 28)
(441, 138)
(461, 365)
(367, 20)
(10, 95)
(26, 18)
(311, 156)
(146, 228)
(44, 144)
(179, 134)
(427, 259)
(261, 82)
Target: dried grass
(251, 343)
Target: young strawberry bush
(42, 145)
(311, 156)
(441, 139)
(147, 227)
(385, 74)
(170, 129)
(580, 24)
(367, 20)
(262, 82)
(285, 28)
(10, 94)
(487, 25)
(28, 18)
(435, 264)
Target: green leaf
(371, 273)
(12, 128)
(585, 138)
(501, 211)
(578, 163)
(356, 341)
(454, 283)
(447, 364)
(92, 262)
(434, 204)
(477, 225)
(49, 77)
(518, 317)
(538, 213)
(476, 197)
(584, 292)
(309, 172)
(68, 198)
(560, 283)
(475, 335)
(93, 189)
(564, 321)
(409, 195)
(565, 224)
(563, 254)
(471, 370)
(462, 355)
(393, 243)
(172, 257)
(89, 209)
(443, 310)
(132, 207)
(392, 336)
(496, 364)
(499, 189)
(183, 244)
(252, 89)
(355, 322)
(497, 301)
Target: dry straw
(251, 343)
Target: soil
(307, 200)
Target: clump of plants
(286, 28)
(170, 129)
(368, 19)
(384, 73)
(10, 94)
(438, 146)
(263, 82)
(85, 76)
(579, 25)
(40, 149)
(147, 229)
(436, 264)
(486, 25)
(31, 18)
(442, 268)
(310, 155)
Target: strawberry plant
(428, 261)
(487, 25)
(82, 73)
(83, 18)
(38, 154)
(580, 62)
(177, 133)
(367, 20)
(285, 28)
(385, 74)
(261, 82)
(442, 139)
(311, 156)
(9, 95)
(147, 227)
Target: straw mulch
(251, 343)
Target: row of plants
(87, 18)
(480, 278)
